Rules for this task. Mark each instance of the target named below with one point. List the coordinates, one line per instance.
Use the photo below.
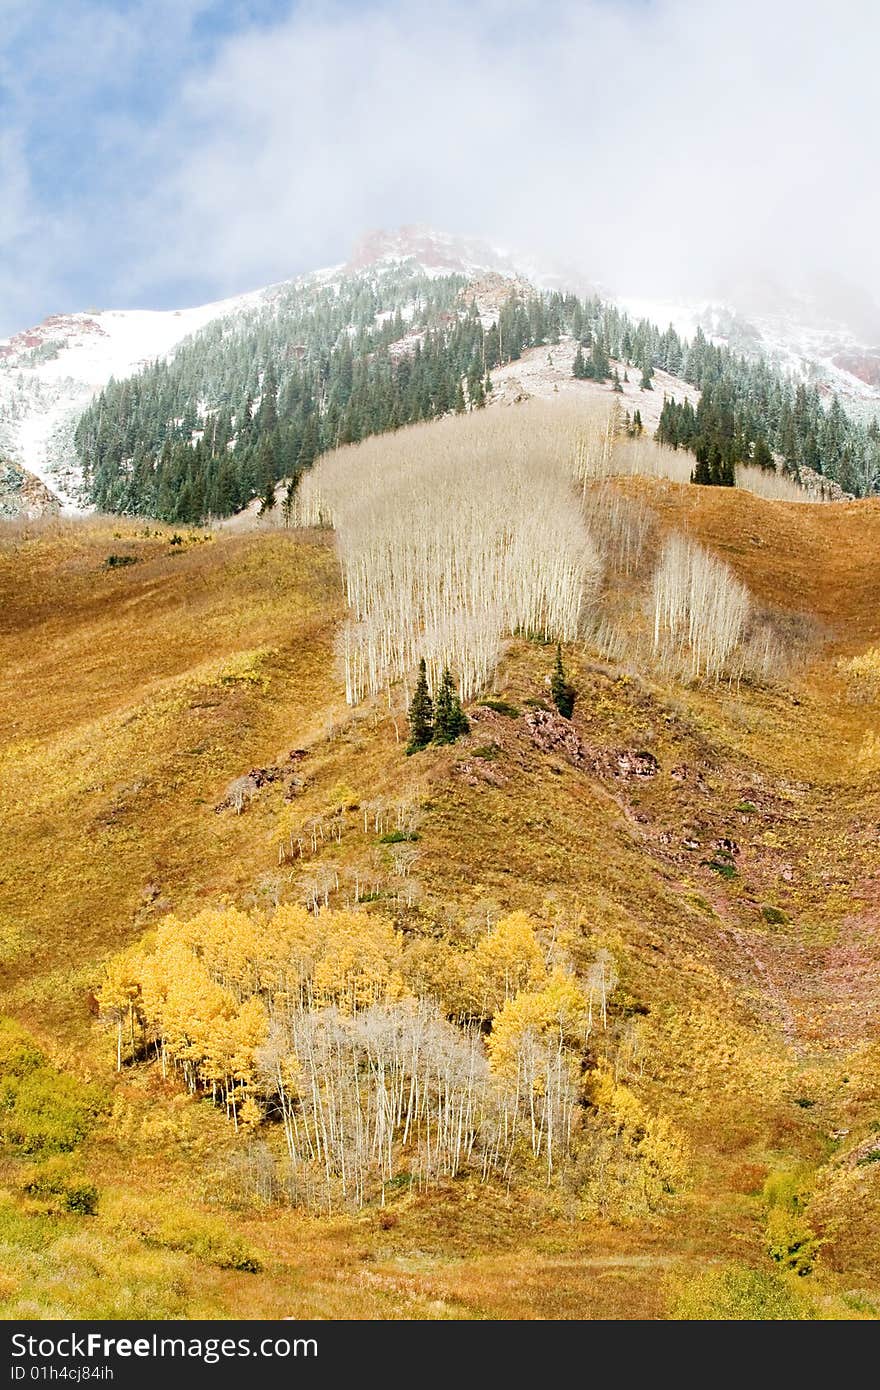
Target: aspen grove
(321, 1028)
(454, 535)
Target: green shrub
(790, 1242)
(115, 562)
(787, 1236)
(396, 837)
(56, 1186)
(786, 1187)
(42, 1110)
(724, 867)
(501, 707)
(207, 1238)
(209, 1241)
(773, 916)
(489, 752)
(737, 1293)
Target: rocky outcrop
(22, 496)
(553, 734)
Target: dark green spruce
(421, 713)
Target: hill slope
(731, 879)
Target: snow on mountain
(797, 337)
(50, 373)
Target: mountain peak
(437, 252)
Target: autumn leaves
(372, 1055)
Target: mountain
(648, 931)
(447, 888)
(50, 373)
(411, 295)
(800, 335)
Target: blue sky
(162, 152)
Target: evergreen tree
(562, 693)
(267, 500)
(762, 456)
(615, 378)
(450, 721)
(701, 473)
(289, 498)
(579, 369)
(421, 713)
(600, 367)
(647, 374)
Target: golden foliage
(861, 674)
(507, 959)
(636, 1162)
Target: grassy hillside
(735, 890)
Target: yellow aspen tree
(507, 960)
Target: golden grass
(130, 698)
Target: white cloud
(662, 145)
(668, 144)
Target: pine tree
(647, 374)
(600, 366)
(562, 693)
(450, 721)
(762, 456)
(579, 368)
(421, 713)
(701, 473)
(615, 378)
(289, 497)
(267, 500)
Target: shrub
(55, 1186)
(788, 1238)
(42, 1110)
(724, 867)
(773, 916)
(862, 676)
(114, 562)
(789, 1241)
(501, 707)
(737, 1293)
(207, 1238)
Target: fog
(665, 149)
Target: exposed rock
(726, 846)
(626, 763)
(553, 734)
(242, 790)
(23, 496)
(476, 770)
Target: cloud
(665, 146)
